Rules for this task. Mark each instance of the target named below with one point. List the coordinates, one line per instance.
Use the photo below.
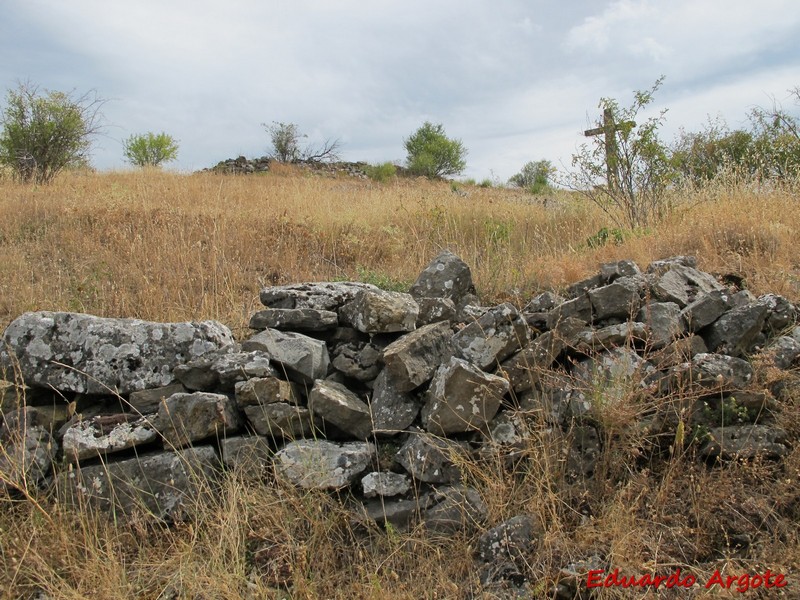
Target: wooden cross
(609, 129)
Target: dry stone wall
(336, 377)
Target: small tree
(628, 180)
(776, 143)
(43, 133)
(534, 176)
(432, 154)
(286, 148)
(150, 149)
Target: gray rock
(623, 334)
(494, 337)
(359, 360)
(680, 351)
(265, 390)
(413, 358)
(392, 410)
(705, 310)
(316, 296)
(294, 319)
(659, 267)
(384, 484)
(784, 352)
(622, 268)
(664, 321)
(735, 331)
(583, 453)
(462, 398)
(166, 485)
(247, 454)
(186, 418)
(100, 436)
(304, 359)
(146, 401)
(73, 352)
(337, 405)
(380, 312)
(618, 369)
(324, 465)
(513, 540)
(683, 285)
(222, 370)
(446, 276)
(27, 450)
(543, 302)
(280, 420)
(719, 370)
(455, 509)
(745, 441)
(434, 310)
(781, 314)
(579, 308)
(582, 287)
(616, 300)
(432, 459)
(400, 513)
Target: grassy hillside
(178, 247)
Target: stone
(583, 453)
(392, 410)
(680, 351)
(222, 370)
(683, 285)
(784, 352)
(446, 276)
(579, 308)
(358, 360)
(166, 485)
(73, 352)
(413, 358)
(734, 332)
(144, 402)
(705, 310)
(265, 390)
(722, 371)
(618, 369)
(335, 404)
(623, 334)
(582, 287)
(513, 540)
(543, 302)
(610, 272)
(324, 465)
(432, 459)
(400, 513)
(27, 450)
(455, 509)
(462, 398)
(294, 319)
(303, 358)
(384, 484)
(329, 296)
(664, 322)
(280, 420)
(100, 436)
(186, 418)
(659, 267)
(494, 337)
(616, 300)
(434, 310)
(744, 442)
(781, 314)
(247, 454)
(380, 312)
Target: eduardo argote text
(597, 578)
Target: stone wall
(385, 395)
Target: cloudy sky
(515, 80)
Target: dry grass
(170, 247)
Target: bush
(432, 154)
(382, 172)
(44, 133)
(150, 150)
(534, 176)
(285, 139)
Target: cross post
(609, 130)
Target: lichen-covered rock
(495, 336)
(784, 351)
(432, 459)
(249, 454)
(705, 310)
(462, 398)
(104, 435)
(334, 403)
(324, 465)
(513, 540)
(384, 484)
(412, 359)
(455, 508)
(683, 285)
(359, 360)
(145, 402)
(616, 300)
(294, 319)
(434, 310)
(735, 331)
(73, 352)
(622, 334)
(446, 276)
(380, 312)
(392, 410)
(316, 296)
(27, 449)
(745, 441)
(166, 484)
(303, 358)
(186, 418)
(577, 308)
(664, 322)
(222, 370)
(719, 370)
(780, 313)
(280, 420)
(265, 390)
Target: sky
(514, 80)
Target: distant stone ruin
(385, 395)
(246, 166)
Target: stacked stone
(390, 396)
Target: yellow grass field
(169, 247)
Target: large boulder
(446, 276)
(73, 352)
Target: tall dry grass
(174, 247)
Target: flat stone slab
(294, 319)
(104, 435)
(74, 352)
(303, 358)
(384, 484)
(324, 465)
(280, 420)
(186, 418)
(316, 296)
(380, 312)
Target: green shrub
(383, 172)
(150, 149)
(534, 177)
(432, 154)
